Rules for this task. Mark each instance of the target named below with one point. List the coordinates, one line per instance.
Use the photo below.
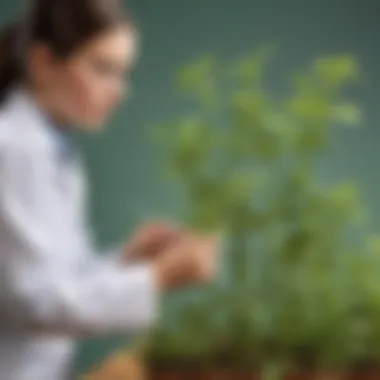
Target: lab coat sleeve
(42, 292)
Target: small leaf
(347, 113)
(251, 69)
(198, 79)
(195, 73)
(337, 70)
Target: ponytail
(10, 60)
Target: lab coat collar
(21, 101)
(33, 120)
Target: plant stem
(239, 265)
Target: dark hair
(64, 25)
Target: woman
(64, 66)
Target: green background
(125, 166)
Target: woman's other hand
(151, 240)
(192, 260)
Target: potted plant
(246, 164)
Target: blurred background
(126, 166)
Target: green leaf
(312, 108)
(251, 69)
(198, 79)
(336, 70)
(345, 199)
(347, 113)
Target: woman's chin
(93, 126)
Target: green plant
(246, 163)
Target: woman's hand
(179, 257)
(150, 241)
(192, 260)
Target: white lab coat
(53, 286)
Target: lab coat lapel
(63, 177)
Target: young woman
(63, 66)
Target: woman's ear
(41, 63)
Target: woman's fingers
(150, 240)
(194, 259)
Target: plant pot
(121, 366)
(171, 374)
(211, 374)
(230, 374)
(366, 374)
(241, 374)
(320, 375)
